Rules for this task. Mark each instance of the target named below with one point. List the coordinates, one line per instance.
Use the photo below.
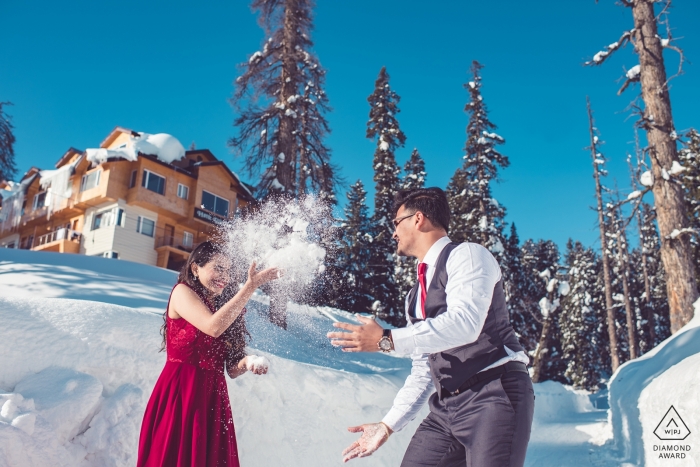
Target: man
(464, 350)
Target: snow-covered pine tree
(548, 362)
(413, 172)
(689, 156)
(611, 226)
(647, 259)
(584, 341)
(599, 171)
(7, 146)
(540, 259)
(353, 254)
(657, 120)
(413, 177)
(383, 128)
(622, 260)
(515, 285)
(476, 215)
(281, 104)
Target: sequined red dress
(188, 421)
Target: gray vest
(451, 368)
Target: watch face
(385, 343)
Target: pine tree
(476, 215)
(354, 253)
(413, 177)
(7, 146)
(515, 285)
(281, 103)
(584, 341)
(690, 161)
(383, 128)
(413, 172)
(657, 120)
(655, 308)
(537, 257)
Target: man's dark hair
(432, 202)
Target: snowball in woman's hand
(257, 364)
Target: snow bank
(554, 401)
(642, 391)
(78, 373)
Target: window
(182, 191)
(153, 182)
(110, 254)
(213, 203)
(39, 200)
(132, 180)
(108, 218)
(145, 226)
(90, 180)
(187, 239)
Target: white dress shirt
(472, 273)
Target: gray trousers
(487, 425)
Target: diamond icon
(672, 427)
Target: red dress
(188, 421)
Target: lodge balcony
(61, 240)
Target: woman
(188, 420)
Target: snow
(676, 168)
(383, 145)
(646, 179)
(165, 147)
(56, 183)
(634, 194)
(633, 73)
(79, 357)
(642, 391)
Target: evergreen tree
(476, 215)
(281, 103)
(7, 146)
(537, 257)
(354, 253)
(690, 160)
(383, 128)
(654, 310)
(414, 172)
(413, 177)
(515, 285)
(584, 341)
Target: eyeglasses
(396, 222)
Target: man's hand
(373, 436)
(363, 338)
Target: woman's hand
(253, 363)
(258, 278)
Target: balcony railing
(169, 240)
(60, 234)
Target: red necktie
(422, 267)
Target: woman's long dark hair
(236, 335)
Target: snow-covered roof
(165, 147)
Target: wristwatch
(385, 344)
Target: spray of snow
(284, 234)
(57, 186)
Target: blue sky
(76, 69)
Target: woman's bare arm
(185, 303)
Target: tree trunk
(669, 199)
(542, 349)
(623, 262)
(612, 336)
(286, 145)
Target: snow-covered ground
(79, 356)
